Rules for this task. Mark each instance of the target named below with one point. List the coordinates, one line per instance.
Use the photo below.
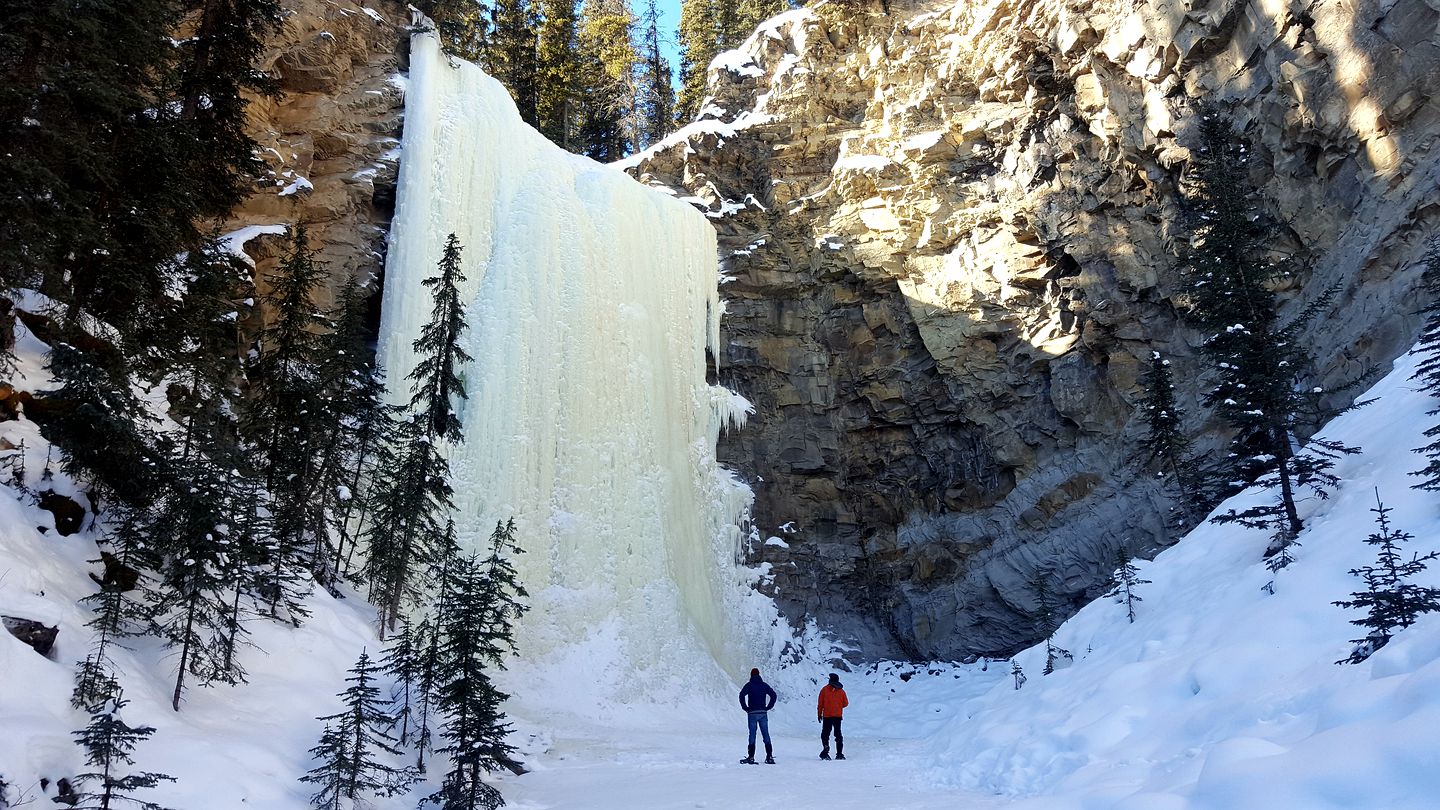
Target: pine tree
(117, 614)
(1168, 448)
(558, 72)
(699, 37)
(1260, 363)
(1124, 581)
(607, 127)
(402, 661)
(1047, 620)
(511, 54)
(109, 742)
(353, 739)
(462, 26)
(656, 98)
(106, 433)
(1018, 674)
(412, 496)
(475, 728)
(1391, 599)
(1428, 370)
(285, 420)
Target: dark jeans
(825, 726)
(761, 719)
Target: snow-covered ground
(1220, 696)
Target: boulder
(36, 634)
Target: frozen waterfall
(592, 302)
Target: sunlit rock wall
(947, 227)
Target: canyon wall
(947, 230)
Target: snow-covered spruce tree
(656, 99)
(1391, 599)
(353, 744)
(1124, 581)
(284, 420)
(475, 728)
(1229, 269)
(1018, 674)
(106, 434)
(511, 53)
(192, 603)
(108, 743)
(1169, 449)
(118, 614)
(412, 496)
(1428, 370)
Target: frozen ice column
(592, 301)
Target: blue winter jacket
(757, 696)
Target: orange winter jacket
(832, 702)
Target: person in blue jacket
(757, 698)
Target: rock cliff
(330, 141)
(945, 226)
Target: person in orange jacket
(829, 711)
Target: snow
(296, 186)
(234, 242)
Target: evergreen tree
(1428, 370)
(403, 662)
(475, 728)
(1391, 599)
(656, 98)
(511, 55)
(285, 419)
(1124, 582)
(1168, 448)
(462, 26)
(160, 124)
(411, 496)
(190, 606)
(607, 127)
(108, 743)
(106, 433)
(699, 37)
(1260, 363)
(1047, 620)
(708, 27)
(1018, 674)
(117, 614)
(558, 72)
(353, 739)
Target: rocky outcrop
(330, 141)
(38, 635)
(946, 229)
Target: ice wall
(592, 302)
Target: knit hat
(834, 677)
(755, 672)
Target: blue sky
(669, 18)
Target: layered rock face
(948, 225)
(330, 141)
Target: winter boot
(769, 756)
(839, 750)
(839, 755)
(749, 756)
(825, 752)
